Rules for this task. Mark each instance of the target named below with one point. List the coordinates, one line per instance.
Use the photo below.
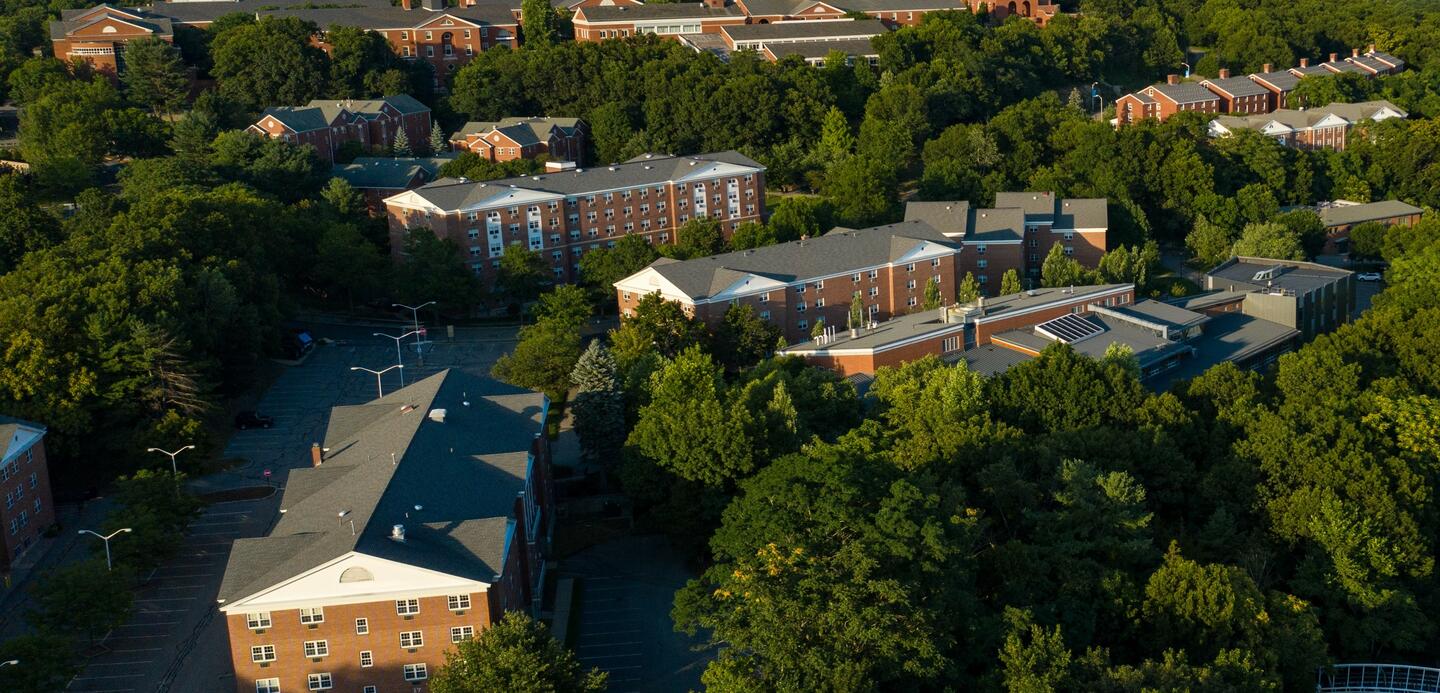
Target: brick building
(97, 35)
(425, 517)
(1316, 128)
(1018, 233)
(1340, 216)
(380, 177)
(893, 12)
(1257, 93)
(326, 124)
(445, 37)
(560, 139)
(1305, 296)
(672, 19)
(25, 479)
(757, 37)
(793, 285)
(564, 214)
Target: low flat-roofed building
(757, 36)
(668, 19)
(817, 53)
(1306, 296)
(1317, 128)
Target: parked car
(250, 419)
(1368, 276)
(297, 343)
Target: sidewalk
(64, 548)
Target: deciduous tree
(516, 653)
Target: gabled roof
(1293, 119)
(539, 127)
(1284, 80)
(640, 13)
(1236, 86)
(1067, 213)
(837, 252)
(1005, 224)
(1184, 92)
(948, 217)
(1369, 63)
(819, 50)
(1386, 58)
(16, 434)
(404, 103)
(1338, 66)
(382, 173)
(1309, 70)
(956, 219)
(365, 14)
(298, 118)
(75, 20)
(800, 30)
(388, 456)
(649, 169)
(1371, 211)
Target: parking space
(622, 617)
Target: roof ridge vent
(397, 532)
(437, 415)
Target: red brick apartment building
(25, 480)
(1317, 128)
(426, 515)
(1019, 232)
(1340, 216)
(1265, 91)
(97, 35)
(445, 37)
(560, 139)
(564, 214)
(794, 285)
(326, 124)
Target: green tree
(689, 428)
(537, 23)
(969, 289)
(82, 599)
(743, 338)
(156, 507)
(1209, 244)
(1010, 283)
(36, 76)
(855, 317)
(46, 663)
(796, 217)
(516, 653)
(347, 263)
(1273, 241)
(401, 147)
(523, 275)
(602, 267)
(431, 270)
(23, 225)
(599, 404)
(155, 76)
(933, 297)
(567, 303)
(1035, 659)
(860, 190)
(752, 234)
(699, 237)
(543, 358)
(438, 142)
(1060, 269)
(836, 142)
(657, 326)
(1368, 239)
(269, 62)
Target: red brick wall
(994, 326)
(27, 480)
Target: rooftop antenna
(392, 458)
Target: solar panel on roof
(1069, 329)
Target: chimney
(717, 4)
(1371, 49)
(397, 533)
(315, 455)
(1265, 68)
(1304, 62)
(1333, 56)
(1224, 73)
(404, 4)
(1354, 52)
(1172, 79)
(433, 5)
(981, 301)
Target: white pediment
(924, 250)
(323, 585)
(412, 200)
(648, 281)
(750, 285)
(1331, 121)
(711, 169)
(1276, 128)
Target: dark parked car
(250, 419)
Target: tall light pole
(378, 387)
(107, 542)
(398, 359)
(9, 663)
(173, 469)
(1187, 69)
(415, 318)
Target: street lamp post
(415, 318)
(107, 542)
(1187, 69)
(398, 359)
(378, 387)
(173, 469)
(9, 663)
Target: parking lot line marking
(589, 658)
(114, 664)
(608, 632)
(164, 611)
(140, 649)
(584, 611)
(148, 625)
(613, 644)
(114, 676)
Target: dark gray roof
(298, 118)
(839, 251)
(996, 225)
(774, 7)
(895, 329)
(1370, 62)
(161, 26)
(1165, 313)
(989, 360)
(539, 127)
(206, 11)
(899, 5)
(650, 169)
(1283, 80)
(386, 457)
(1382, 55)
(1067, 213)
(389, 174)
(1371, 211)
(1147, 346)
(1231, 336)
(1309, 70)
(1038, 206)
(1184, 92)
(366, 14)
(805, 30)
(674, 10)
(950, 217)
(1205, 300)
(1343, 66)
(1292, 275)
(1237, 86)
(819, 50)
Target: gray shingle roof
(839, 251)
(366, 14)
(161, 26)
(774, 7)
(1038, 206)
(950, 217)
(805, 30)
(817, 50)
(1344, 66)
(465, 473)
(1067, 213)
(675, 10)
(1352, 112)
(1184, 92)
(1386, 57)
(1284, 80)
(1237, 86)
(1309, 70)
(1369, 61)
(539, 127)
(650, 169)
(1372, 211)
(389, 174)
(996, 225)
(298, 118)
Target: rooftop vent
(534, 177)
(407, 408)
(437, 415)
(1267, 274)
(614, 168)
(397, 532)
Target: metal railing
(1377, 678)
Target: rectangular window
(460, 633)
(267, 685)
(803, 324)
(935, 262)
(34, 480)
(367, 659)
(982, 263)
(262, 653)
(874, 273)
(855, 277)
(910, 267)
(800, 307)
(950, 344)
(874, 291)
(321, 682)
(429, 53)
(257, 621)
(800, 289)
(317, 648)
(404, 36)
(416, 672)
(313, 615)
(819, 303)
(820, 285)
(910, 302)
(910, 284)
(983, 279)
(412, 638)
(407, 607)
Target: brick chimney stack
(1224, 73)
(405, 4)
(1172, 79)
(1372, 48)
(1304, 62)
(1333, 56)
(1266, 68)
(315, 455)
(717, 4)
(1354, 52)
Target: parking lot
(175, 640)
(622, 617)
